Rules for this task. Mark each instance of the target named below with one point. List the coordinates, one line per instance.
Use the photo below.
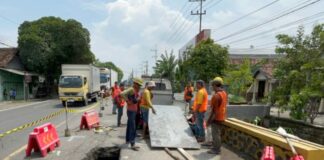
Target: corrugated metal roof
(252, 53)
(6, 55)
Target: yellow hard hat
(139, 81)
(218, 79)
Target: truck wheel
(95, 99)
(63, 103)
(85, 102)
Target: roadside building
(13, 74)
(262, 64)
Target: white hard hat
(150, 84)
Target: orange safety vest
(186, 91)
(203, 107)
(220, 110)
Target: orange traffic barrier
(297, 157)
(44, 138)
(268, 153)
(89, 120)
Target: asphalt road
(12, 118)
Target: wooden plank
(169, 153)
(185, 154)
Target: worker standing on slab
(188, 94)
(218, 114)
(200, 108)
(131, 95)
(120, 104)
(146, 105)
(114, 92)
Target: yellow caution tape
(46, 118)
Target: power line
(186, 29)
(176, 19)
(9, 20)
(246, 15)
(200, 13)
(2, 43)
(289, 28)
(213, 5)
(179, 28)
(266, 22)
(279, 27)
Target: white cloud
(131, 29)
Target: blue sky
(124, 31)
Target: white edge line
(25, 105)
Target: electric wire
(268, 21)
(246, 15)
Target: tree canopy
(239, 78)
(300, 70)
(207, 60)
(165, 67)
(47, 43)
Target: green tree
(47, 43)
(207, 60)
(166, 66)
(111, 65)
(300, 71)
(239, 78)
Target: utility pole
(146, 67)
(155, 53)
(200, 13)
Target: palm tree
(165, 67)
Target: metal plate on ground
(169, 128)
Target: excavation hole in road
(103, 153)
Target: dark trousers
(120, 114)
(200, 131)
(216, 133)
(131, 129)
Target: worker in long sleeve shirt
(146, 104)
(131, 96)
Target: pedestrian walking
(131, 96)
(115, 91)
(218, 114)
(14, 94)
(188, 94)
(146, 105)
(200, 108)
(5, 94)
(120, 104)
(11, 94)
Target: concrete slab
(169, 128)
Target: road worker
(120, 102)
(199, 109)
(218, 114)
(188, 94)
(114, 92)
(146, 105)
(131, 95)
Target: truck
(107, 78)
(79, 83)
(162, 92)
(104, 78)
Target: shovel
(286, 135)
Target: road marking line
(25, 146)
(50, 116)
(25, 105)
